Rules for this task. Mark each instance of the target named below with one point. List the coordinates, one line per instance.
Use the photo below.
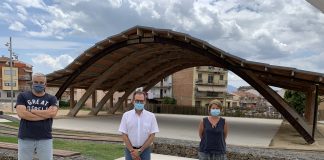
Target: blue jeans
(42, 148)
(145, 155)
(207, 156)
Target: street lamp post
(11, 76)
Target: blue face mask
(215, 112)
(139, 106)
(39, 88)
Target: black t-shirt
(35, 129)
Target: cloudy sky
(49, 34)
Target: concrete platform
(163, 157)
(256, 132)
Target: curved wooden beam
(148, 65)
(101, 79)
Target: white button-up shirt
(138, 127)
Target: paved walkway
(3, 120)
(242, 131)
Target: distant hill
(231, 89)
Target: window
(7, 83)
(210, 67)
(166, 78)
(212, 94)
(199, 77)
(9, 94)
(210, 78)
(7, 72)
(197, 103)
(221, 77)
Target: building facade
(21, 78)
(162, 89)
(199, 85)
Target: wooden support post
(309, 106)
(102, 102)
(315, 111)
(94, 99)
(72, 98)
(111, 103)
(125, 106)
(290, 114)
(120, 100)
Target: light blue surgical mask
(39, 88)
(215, 112)
(139, 106)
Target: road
(242, 131)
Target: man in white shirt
(138, 128)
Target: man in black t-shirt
(36, 110)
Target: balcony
(211, 69)
(209, 95)
(215, 83)
(25, 77)
(165, 85)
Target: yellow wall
(6, 78)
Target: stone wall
(189, 149)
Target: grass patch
(98, 151)
(14, 124)
(8, 139)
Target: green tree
(169, 100)
(297, 100)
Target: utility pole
(11, 76)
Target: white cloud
(59, 25)
(17, 26)
(22, 16)
(312, 62)
(235, 80)
(31, 3)
(277, 32)
(7, 6)
(22, 10)
(116, 3)
(144, 7)
(54, 63)
(76, 2)
(23, 43)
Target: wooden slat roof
(146, 50)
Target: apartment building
(162, 89)
(21, 78)
(197, 86)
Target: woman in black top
(213, 131)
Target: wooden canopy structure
(143, 56)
